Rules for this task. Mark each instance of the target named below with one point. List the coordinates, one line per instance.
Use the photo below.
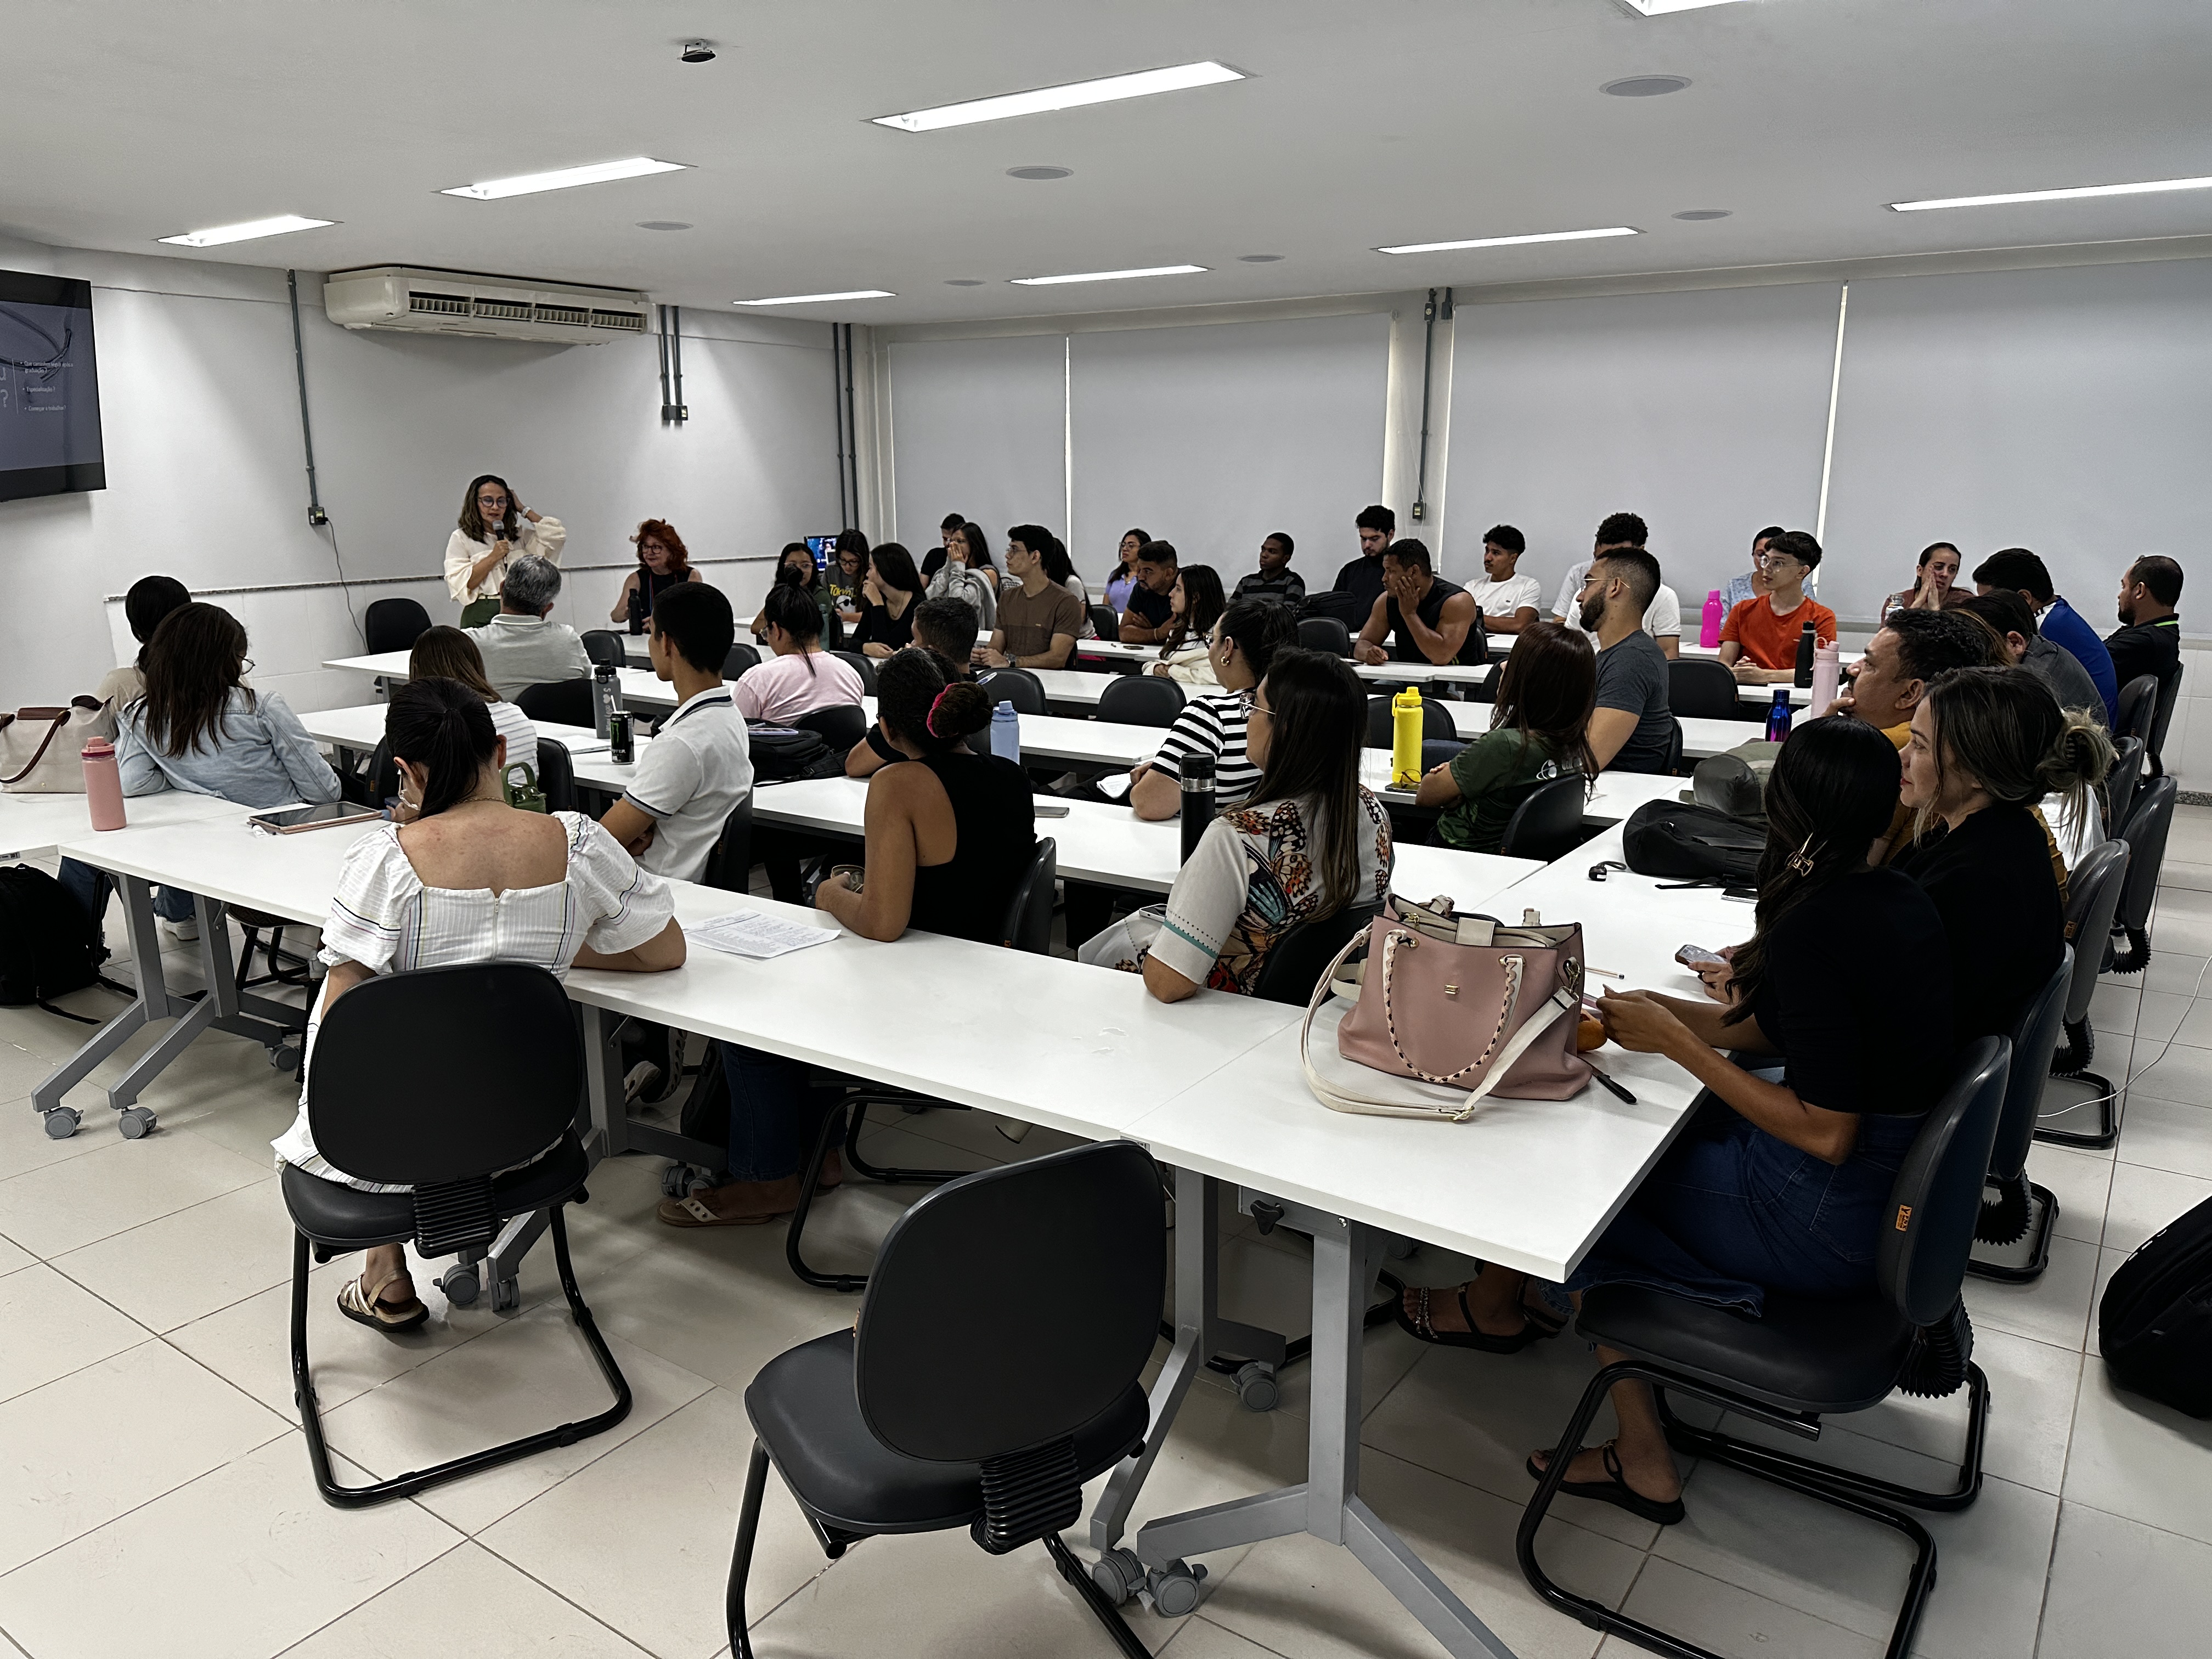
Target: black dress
(995, 817)
(1992, 883)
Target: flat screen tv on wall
(49, 388)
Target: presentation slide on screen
(49, 388)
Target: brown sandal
(371, 1310)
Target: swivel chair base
(2026, 1257)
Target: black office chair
(2012, 1239)
(1141, 700)
(2169, 693)
(604, 647)
(1548, 824)
(557, 703)
(730, 864)
(1325, 633)
(742, 657)
(2120, 782)
(1027, 927)
(2093, 897)
(975, 1391)
(1805, 1361)
(1017, 686)
(1677, 746)
(1104, 623)
(1436, 723)
(477, 1106)
(1701, 688)
(393, 625)
(556, 774)
(860, 665)
(840, 726)
(2138, 709)
(1296, 963)
(2148, 819)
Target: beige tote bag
(39, 747)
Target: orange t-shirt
(1771, 641)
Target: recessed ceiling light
(2151, 188)
(1074, 96)
(529, 184)
(1259, 258)
(1645, 86)
(1106, 276)
(663, 224)
(1699, 216)
(1509, 241)
(964, 282)
(1661, 8)
(1039, 173)
(821, 299)
(278, 226)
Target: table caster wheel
(284, 1056)
(1173, 1589)
(1399, 1246)
(1118, 1574)
(1257, 1388)
(506, 1296)
(676, 1180)
(460, 1286)
(61, 1121)
(136, 1123)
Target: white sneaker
(182, 932)
(640, 1079)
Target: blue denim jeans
(90, 887)
(774, 1113)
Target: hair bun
(963, 709)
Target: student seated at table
(1662, 615)
(968, 574)
(1760, 639)
(1310, 840)
(2026, 647)
(448, 653)
(150, 599)
(801, 676)
(663, 561)
(1931, 588)
(950, 835)
(1038, 620)
(2017, 570)
(1149, 614)
(1509, 601)
(1903, 660)
(889, 593)
(945, 626)
(521, 647)
(467, 879)
(795, 567)
(699, 765)
(2148, 640)
(849, 568)
(1633, 727)
(1196, 602)
(1274, 580)
(1778, 1187)
(1988, 744)
(1124, 578)
(1419, 617)
(1538, 730)
(1244, 644)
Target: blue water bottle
(1777, 718)
(1007, 733)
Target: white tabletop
(638, 685)
(36, 824)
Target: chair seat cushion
(804, 1408)
(346, 1218)
(1805, 1355)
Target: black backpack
(48, 946)
(1682, 842)
(2154, 1323)
(781, 752)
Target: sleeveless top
(1431, 610)
(995, 818)
(651, 587)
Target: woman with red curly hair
(662, 563)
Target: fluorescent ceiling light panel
(1142, 84)
(529, 184)
(246, 233)
(822, 299)
(1661, 8)
(1106, 276)
(1510, 241)
(2152, 188)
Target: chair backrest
(1925, 1235)
(2138, 708)
(1105, 622)
(1141, 700)
(556, 774)
(860, 665)
(841, 726)
(604, 645)
(393, 625)
(1548, 824)
(1017, 686)
(557, 703)
(968, 1350)
(494, 1073)
(742, 657)
(2148, 820)
(2093, 899)
(1325, 633)
(1293, 967)
(2034, 1039)
(1436, 722)
(730, 864)
(2169, 693)
(1700, 689)
(1028, 925)
(1677, 746)
(2120, 782)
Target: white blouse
(384, 917)
(544, 538)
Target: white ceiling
(1367, 122)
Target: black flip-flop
(1533, 1329)
(1616, 1491)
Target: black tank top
(1431, 610)
(995, 817)
(651, 587)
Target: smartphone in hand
(1694, 956)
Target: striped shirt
(510, 723)
(1213, 725)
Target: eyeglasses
(1598, 871)
(1254, 711)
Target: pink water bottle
(1709, 633)
(103, 784)
(1827, 676)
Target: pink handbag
(1458, 1003)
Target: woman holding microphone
(494, 528)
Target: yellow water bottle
(1406, 739)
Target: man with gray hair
(519, 647)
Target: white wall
(205, 479)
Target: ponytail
(2078, 762)
(445, 728)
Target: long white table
(640, 686)
(31, 825)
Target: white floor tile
(1732, 1622)
(2080, 1181)
(115, 1188)
(2143, 1200)
(2174, 872)
(2170, 970)
(187, 1265)
(2119, 1587)
(1200, 1637)
(477, 1606)
(2052, 1309)
(2159, 1014)
(55, 1327)
(2133, 1457)
(2165, 1134)
(13, 1256)
(2195, 1029)
(2180, 1074)
(2114, 1006)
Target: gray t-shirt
(1631, 676)
(2062, 670)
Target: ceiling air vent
(438, 305)
(418, 302)
(505, 310)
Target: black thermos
(637, 607)
(1197, 799)
(1806, 643)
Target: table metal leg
(152, 1002)
(606, 1130)
(1346, 1257)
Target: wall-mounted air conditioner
(490, 307)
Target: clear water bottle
(1007, 733)
(1197, 772)
(1777, 718)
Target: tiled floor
(154, 1493)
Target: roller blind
(979, 427)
